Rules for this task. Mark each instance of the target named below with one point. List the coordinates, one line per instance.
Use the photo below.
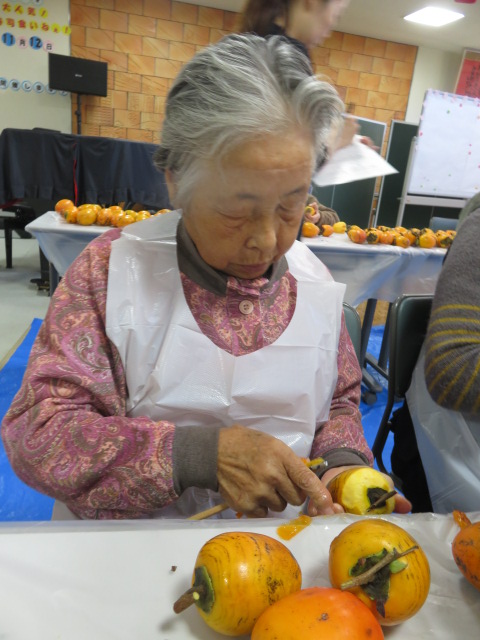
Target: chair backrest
(409, 317)
(443, 224)
(354, 326)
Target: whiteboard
(446, 156)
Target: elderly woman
(194, 358)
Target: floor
(20, 300)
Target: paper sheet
(356, 161)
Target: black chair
(443, 224)
(23, 215)
(409, 317)
(354, 327)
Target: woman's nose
(263, 234)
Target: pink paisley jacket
(67, 433)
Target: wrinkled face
(319, 21)
(245, 218)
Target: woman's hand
(257, 472)
(402, 505)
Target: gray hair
(233, 92)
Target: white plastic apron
(175, 373)
(449, 446)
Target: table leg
(373, 387)
(54, 278)
(381, 365)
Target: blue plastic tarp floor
(18, 502)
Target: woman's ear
(171, 185)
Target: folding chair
(354, 327)
(443, 224)
(409, 317)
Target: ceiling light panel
(433, 17)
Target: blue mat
(20, 503)
(17, 501)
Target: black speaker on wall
(77, 75)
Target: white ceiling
(383, 19)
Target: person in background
(306, 24)
(196, 357)
(444, 396)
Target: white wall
(434, 69)
(30, 29)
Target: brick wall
(146, 42)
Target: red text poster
(468, 82)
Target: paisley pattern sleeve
(66, 433)
(343, 432)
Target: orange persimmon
(466, 548)
(401, 589)
(317, 612)
(310, 230)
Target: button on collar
(246, 307)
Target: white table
(114, 580)
(62, 242)
(379, 272)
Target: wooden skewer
(209, 512)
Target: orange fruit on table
(128, 217)
(466, 548)
(411, 234)
(426, 240)
(63, 205)
(339, 227)
(399, 590)
(86, 216)
(310, 230)
(160, 211)
(326, 230)
(237, 575)
(373, 235)
(104, 217)
(386, 237)
(142, 215)
(401, 240)
(317, 612)
(71, 215)
(115, 214)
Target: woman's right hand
(257, 472)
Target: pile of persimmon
(396, 236)
(401, 237)
(88, 214)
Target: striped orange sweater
(452, 359)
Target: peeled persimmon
(316, 613)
